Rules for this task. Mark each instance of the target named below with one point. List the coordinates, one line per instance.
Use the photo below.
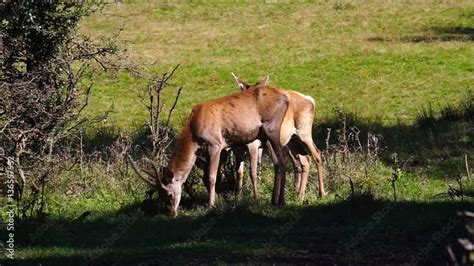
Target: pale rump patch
(309, 98)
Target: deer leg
(282, 171)
(297, 168)
(224, 156)
(214, 155)
(278, 196)
(239, 163)
(276, 183)
(272, 130)
(316, 154)
(305, 168)
(301, 158)
(259, 162)
(254, 148)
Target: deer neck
(183, 158)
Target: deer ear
(167, 176)
(242, 85)
(263, 81)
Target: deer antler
(155, 182)
(235, 77)
(242, 85)
(156, 172)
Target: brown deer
(233, 120)
(298, 121)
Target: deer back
(239, 117)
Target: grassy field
(404, 71)
(395, 57)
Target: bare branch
(467, 168)
(174, 105)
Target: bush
(42, 96)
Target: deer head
(169, 188)
(244, 86)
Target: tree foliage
(44, 60)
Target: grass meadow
(396, 57)
(403, 72)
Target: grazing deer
(233, 120)
(298, 121)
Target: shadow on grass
(355, 231)
(434, 34)
(436, 144)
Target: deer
(216, 125)
(299, 120)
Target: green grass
(122, 229)
(395, 57)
